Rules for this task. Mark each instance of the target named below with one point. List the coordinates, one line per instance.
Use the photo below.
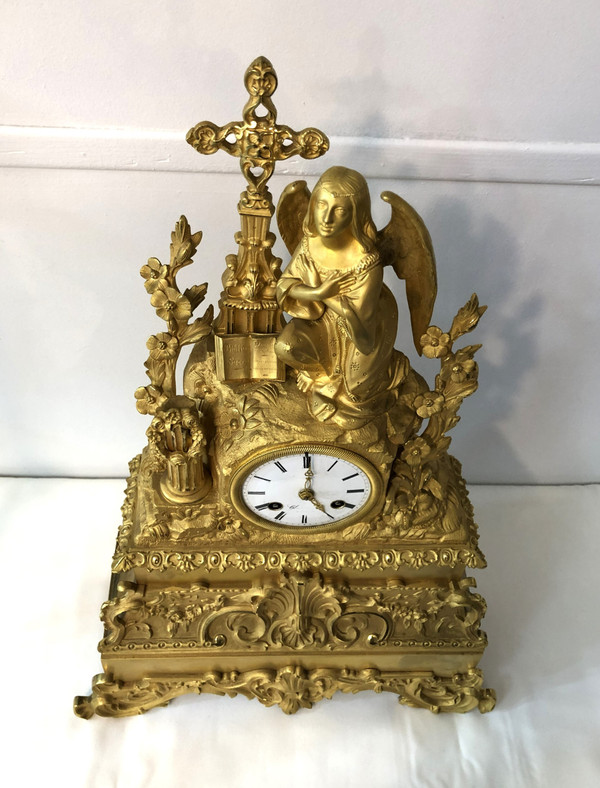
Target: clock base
(291, 688)
(291, 641)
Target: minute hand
(307, 494)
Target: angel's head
(340, 202)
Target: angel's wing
(406, 245)
(291, 210)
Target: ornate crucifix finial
(249, 317)
(258, 140)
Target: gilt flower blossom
(429, 403)
(169, 302)
(245, 561)
(187, 562)
(435, 344)
(153, 272)
(162, 346)
(412, 617)
(362, 561)
(461, 369)
(302, 562)
(415, 451)
(259, 146)
(148, 398)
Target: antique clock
(295, 525)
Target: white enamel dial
(313, 486)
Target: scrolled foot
(85, 706)
(126, 698)
(459, 693)
(487, 700)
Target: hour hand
(308, 495)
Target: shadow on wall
(358, 95)
(482, 253)
(475, 253)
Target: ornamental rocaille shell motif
(210, 595)
(300, 612)
(291, 688)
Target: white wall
(484, 116)
(455, 69)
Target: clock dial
(305, 487)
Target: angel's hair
(343, 182)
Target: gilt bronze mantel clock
(295, 525)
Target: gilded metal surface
(247, 304)
(203, 540)
(241, 357)
(210, 596)
(404, 243)
(298, 612)
(291, 688)
(258, 140)
(175, 308)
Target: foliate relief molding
(125, 529)
(299, 560)
(296, 614)
(277, 560)
(291, 688)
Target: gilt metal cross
(258, 140)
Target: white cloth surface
(543, 659)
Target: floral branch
(246, 415)
(456, 380)
(466, 318)
(418, 481)
(176, 309)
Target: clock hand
(307, 494)
(319, 506)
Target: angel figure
(341, 337)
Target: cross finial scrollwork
(258, 140)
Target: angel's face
(332, 215)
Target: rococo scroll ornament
(295, 525)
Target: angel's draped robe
(345, 344)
